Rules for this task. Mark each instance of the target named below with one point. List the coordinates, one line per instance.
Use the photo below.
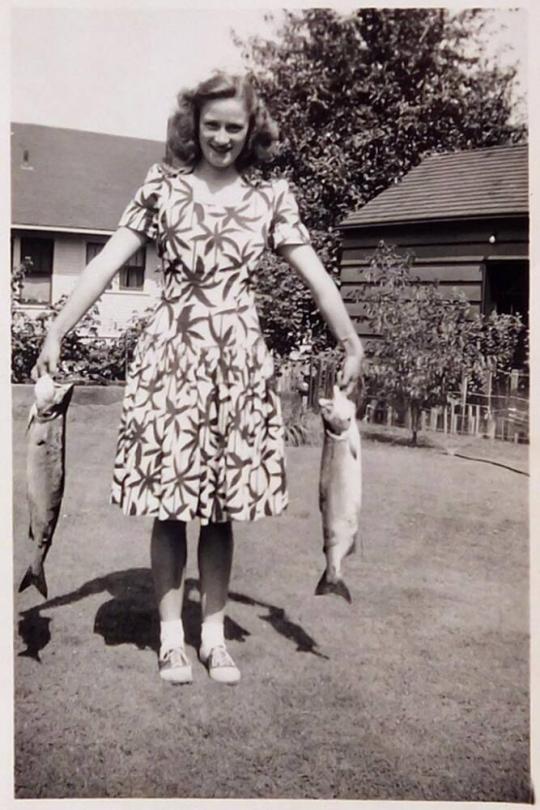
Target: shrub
(84, 354)
(428, 344)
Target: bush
(84, 354)
(28, 334)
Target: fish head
(44, 391)
(51, 399)
(337, 413)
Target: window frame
(47, 245)
(137, 264)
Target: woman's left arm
(307, 264)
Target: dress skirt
(201, 434)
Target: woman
(201, 433)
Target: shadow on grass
(384, 436)
(130, 616)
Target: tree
(360, 98)
(428, 343)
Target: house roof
(78, 180)
(457, 185)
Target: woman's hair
(183, 125)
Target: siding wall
(115, 306)
(454, 253)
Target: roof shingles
(474, 183)
(77, 180)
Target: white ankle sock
(212, 635)
(171, 634)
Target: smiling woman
(202, 435)
(223, 128)
(236, 99)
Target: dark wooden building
(463, 216)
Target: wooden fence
(312, 378)
(510, 423)
(502, 412)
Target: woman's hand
(351, 371)
(47, 362)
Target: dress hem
(154, 513)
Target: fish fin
(31, 415)
(352, 548)
(354, 444)
(38, 580)
(63, 394)
(338, 587)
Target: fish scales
(340, 490)
(45, 473)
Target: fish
(340, 489)
(45, 472)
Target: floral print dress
(201, 434)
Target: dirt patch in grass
(417, 691)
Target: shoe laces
(176, 657)
(219, 657)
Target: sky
(119, 70)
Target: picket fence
(501, 413)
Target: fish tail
(337, 586)
(38, 580)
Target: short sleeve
(141, 214)
(286, 227)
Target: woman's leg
(215, 555)
(168, 553)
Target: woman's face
(223, 127)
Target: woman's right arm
(92, 282)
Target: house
(463, 216)
(69, 189)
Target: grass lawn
(418, 691)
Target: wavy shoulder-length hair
(183, 148)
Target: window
(92, 250)
(38, 280)
(131, 276)
(132, 273)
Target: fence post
(453, 418)
(310, 396)
(514, 379)
(489, 389)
